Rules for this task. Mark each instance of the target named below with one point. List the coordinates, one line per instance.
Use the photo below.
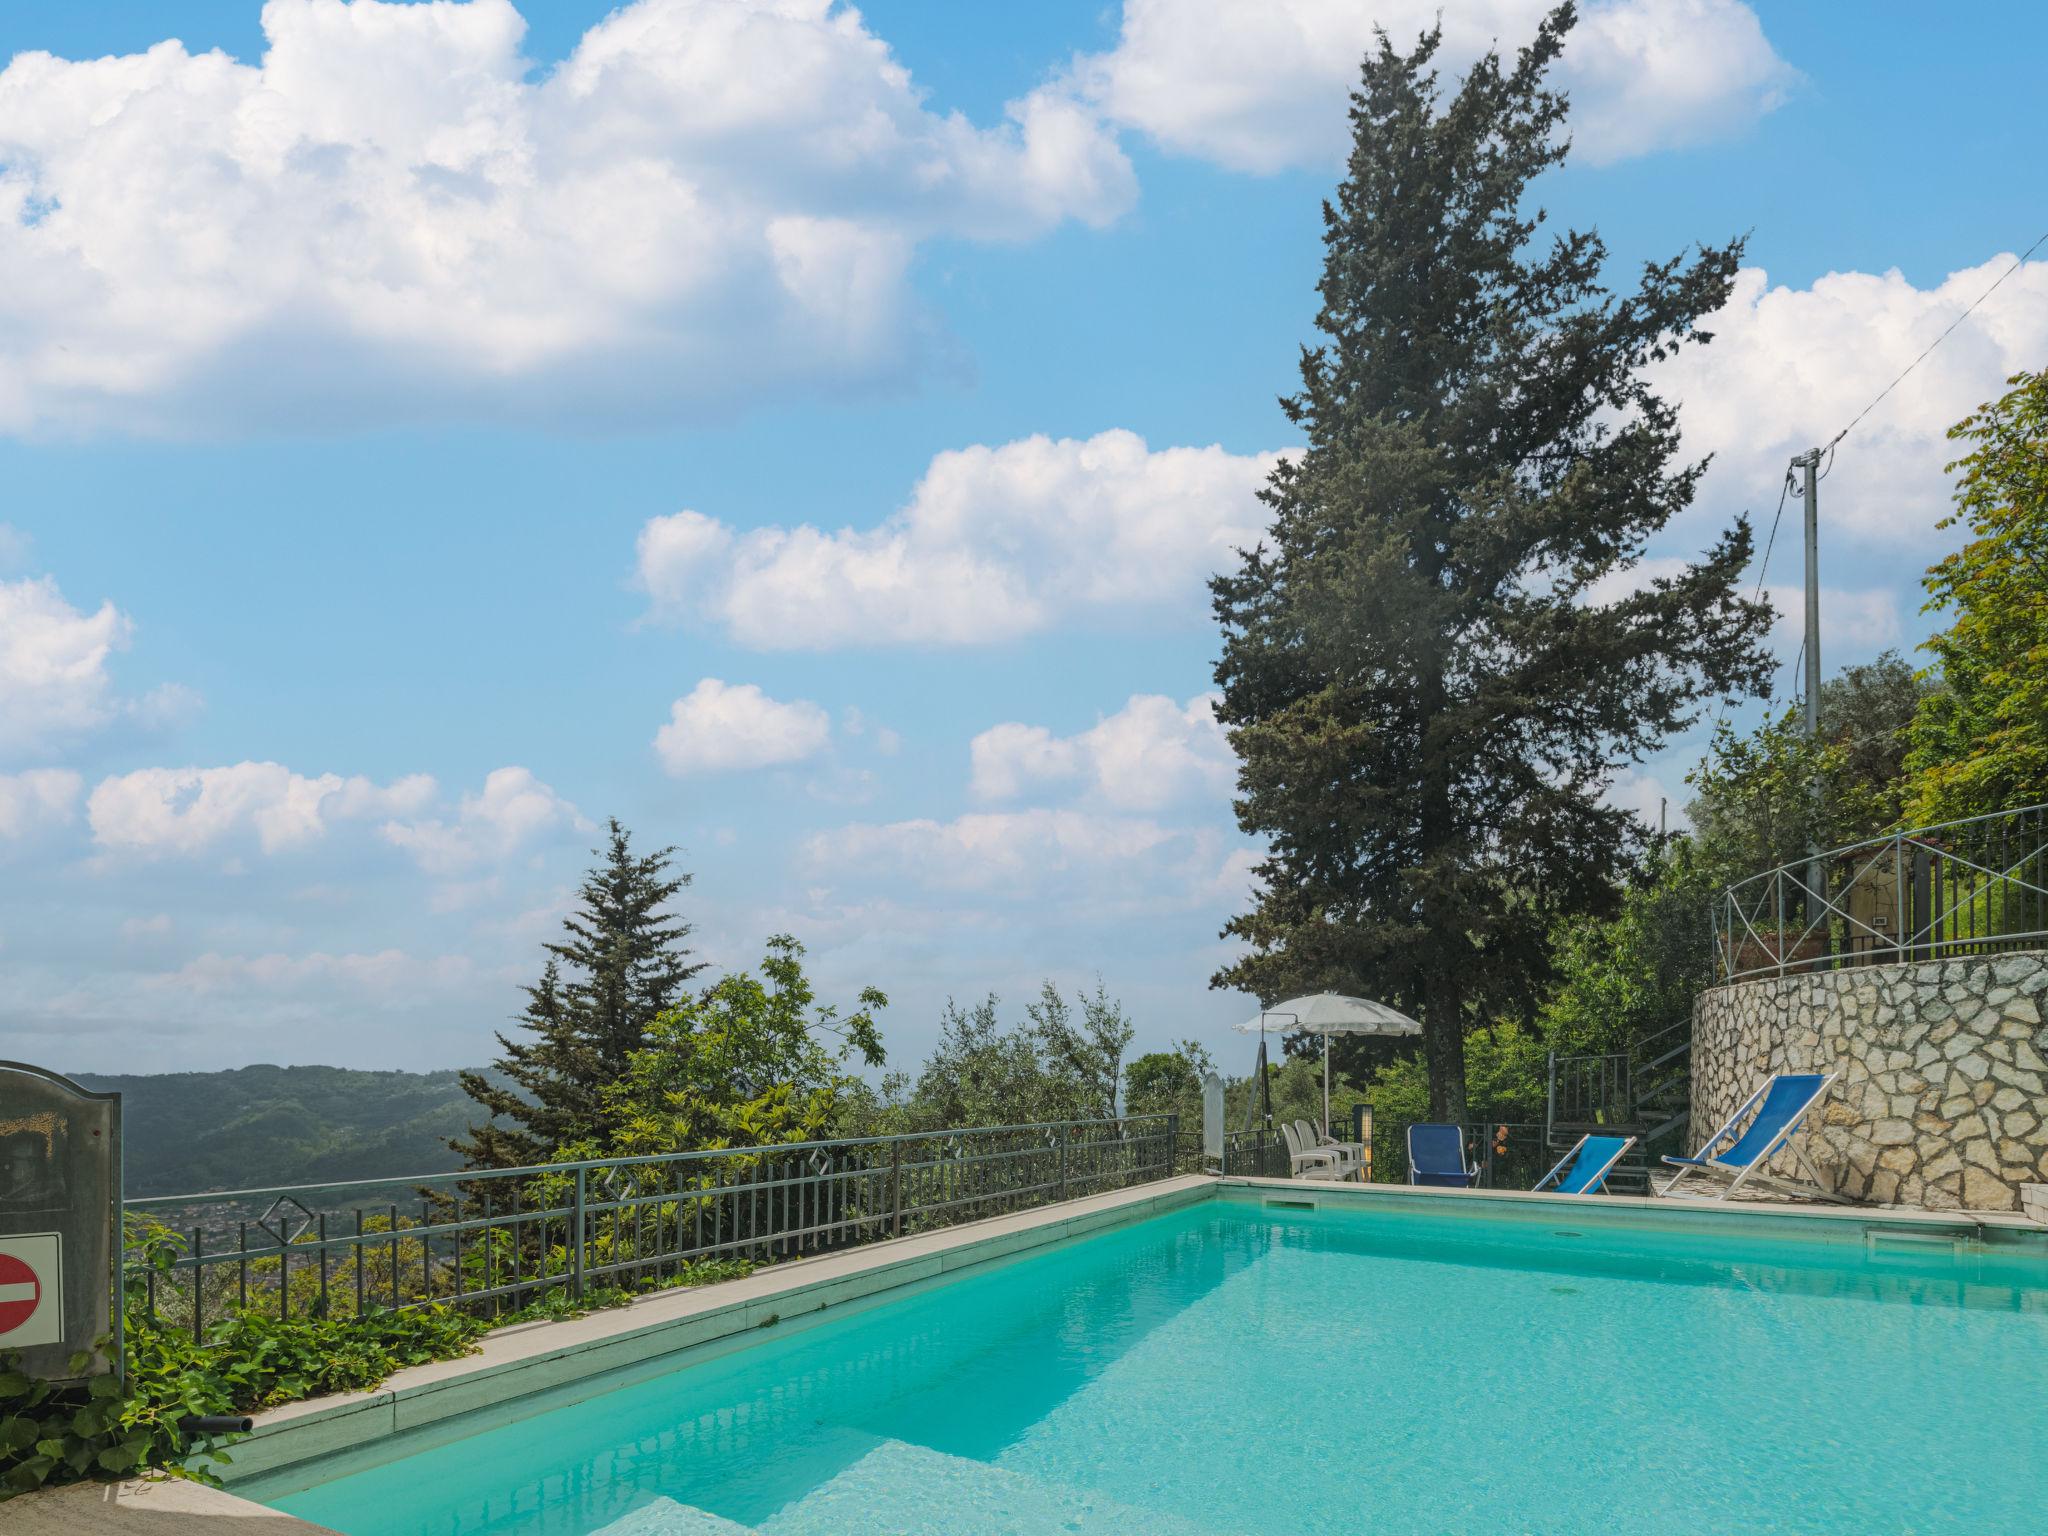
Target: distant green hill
(194, 1131)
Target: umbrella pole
(1326, 1085)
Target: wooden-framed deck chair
(1309, 1162)
(1436, 1155)
(1584, 1169)
(1779, 1107)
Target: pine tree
(1426, 674)
(625, 959)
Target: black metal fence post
(576, 1242)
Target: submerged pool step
(665, 1517)
(916, 1491)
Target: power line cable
(2019, 262)
(1771, 543)
(1925, 352)
(1785, 490)
(1763, 570)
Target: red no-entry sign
(21, 1292)
(60, 1224)
(31, 1290)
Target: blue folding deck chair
(1780, 1105)
(1584, 1169)
(1436, 1155)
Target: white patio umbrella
(1327, 1014)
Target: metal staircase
(1644, 1092)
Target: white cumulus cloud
(986, 849)
(188, 810)
(39, 798)
(1261, 87)
(720, 727)
(1790, 367)
(1626, 581)
(995, 543)
(1149, 754)
(509, 814)
(392, 212)
(53, 663)
(386, 973)
(1013, 872)
(1647, 797)
(1860, 619)
(1855, 622)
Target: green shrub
(110, 1427)
(258, 1362)
(55, 1435)
(242, 1362)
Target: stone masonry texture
(1942, 1101)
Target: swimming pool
(1397, 1366)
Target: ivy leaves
(56, 1434)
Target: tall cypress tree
(623, 960)
(1424, 672)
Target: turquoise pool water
(1237, 1368)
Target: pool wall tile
(322, 1427)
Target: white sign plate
(31, 1290)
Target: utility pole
(1809, 463)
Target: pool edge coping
(1315, 1189)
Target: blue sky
(803, 434)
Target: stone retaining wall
(1942, 1100)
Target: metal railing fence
(1509, 1154)
(500, 1239)
(1256, 1154)
(1591, 1090)
(1969, 887)
(1644, 1084)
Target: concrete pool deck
(541, 1366)
(147, 1506)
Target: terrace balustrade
(1970, 887)
(497, 1240)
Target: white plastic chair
(1309, 1162)
(1350, 1154)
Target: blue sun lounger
(1584, 1169)
(1436, 1155)
(1779, 1105)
